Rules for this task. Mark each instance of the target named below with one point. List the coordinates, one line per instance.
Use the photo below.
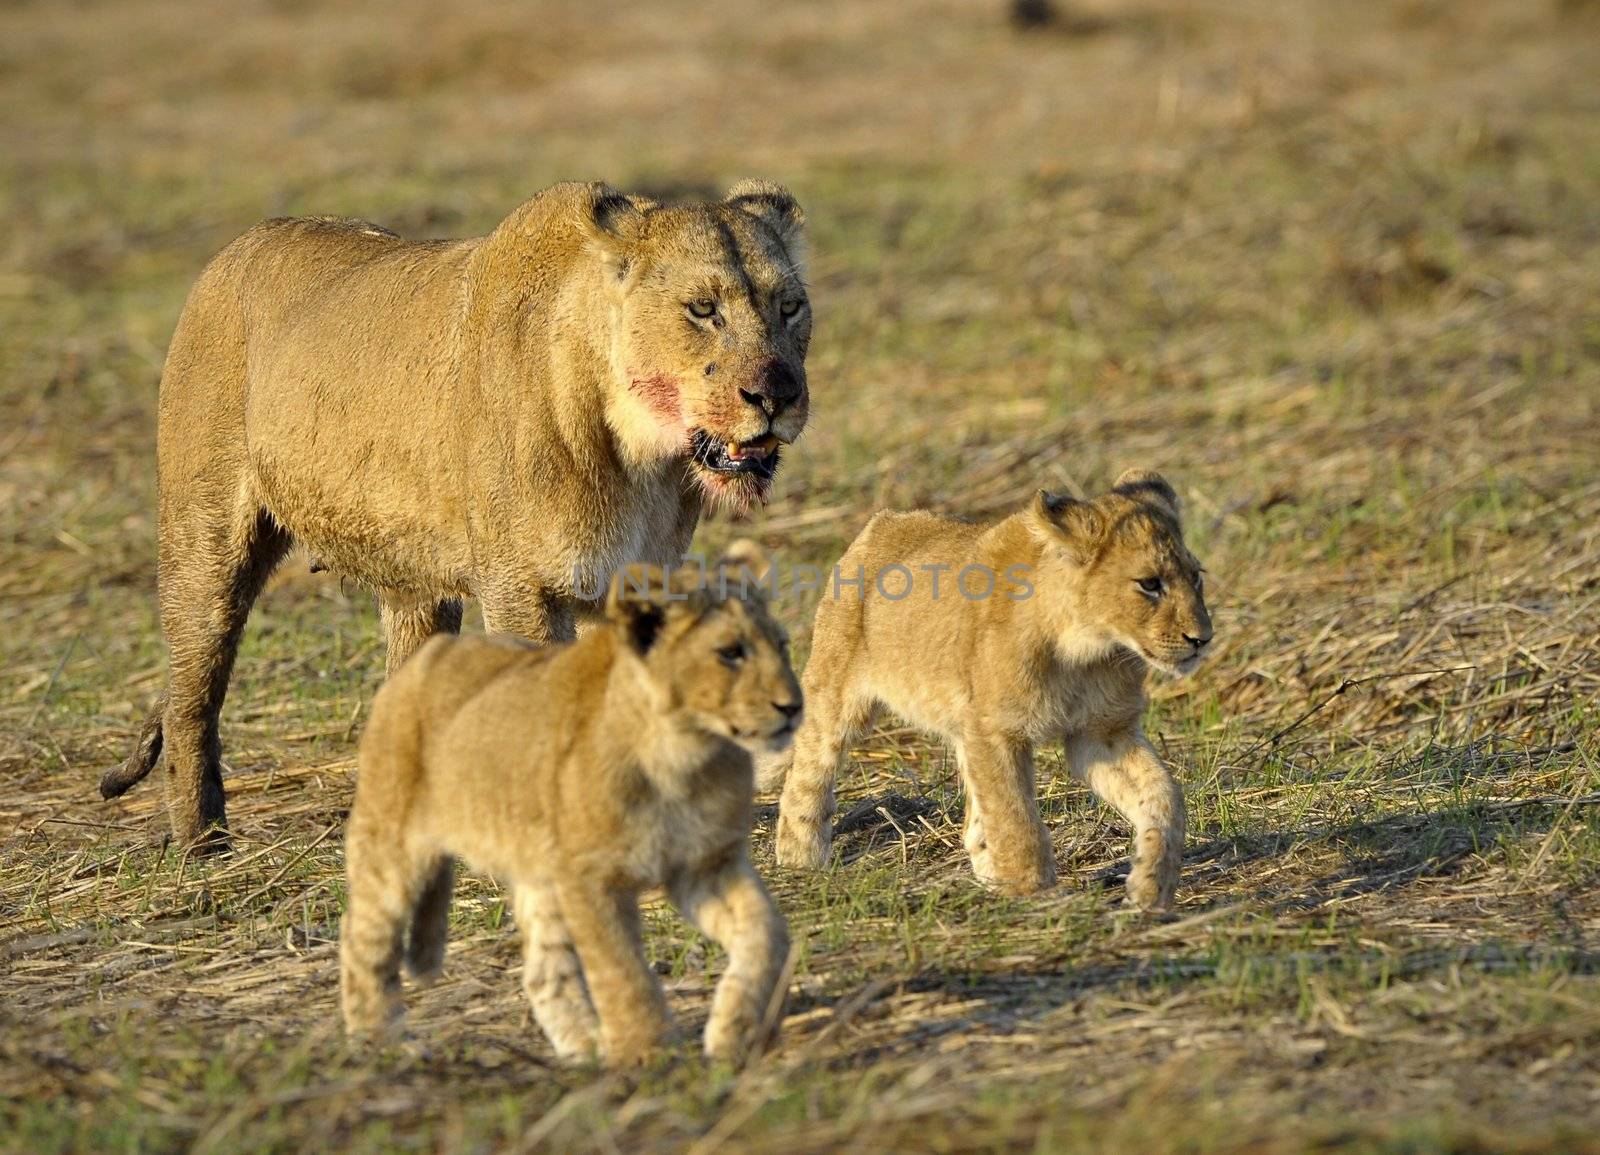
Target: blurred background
(1334, 268)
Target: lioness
(1042, 627)
(510, 417)
(581, 774)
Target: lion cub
(997, 638)
(582, 775)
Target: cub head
(1120, 562)
(710, 322)
(711, 653)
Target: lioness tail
(146, 752)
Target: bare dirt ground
(1331, 267)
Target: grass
(1329, 267)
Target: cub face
(710, 326)
(715, 659)
(1121, 560)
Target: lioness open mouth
(758, 458)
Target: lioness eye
(702, 308)
(790, 308)
(732, 655)
(1150, 585)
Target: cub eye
(1199, 582)
(702, 308)
(791, 307)
(733, 655)
(1150, 585)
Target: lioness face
(1123, 564)
(711, 326)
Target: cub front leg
(731, 906)
(552, 977)
(1008, 845)
(604, 924)
(1134, 782)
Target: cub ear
(636, 602)
(1063, 519)
(614, 221)
(1148, 485)
(643, 598)
(744, 566)
(774, 206)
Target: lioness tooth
(733, 449)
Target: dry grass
(1331, 267)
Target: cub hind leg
(836, 716)
(430, 923)
(552, 976)
(386, 886)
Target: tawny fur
(1057, 650)
(510, 418)
(580, 775)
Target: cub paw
(1151, 888)
(803, 845)
(731, 1041)
(1015, 877)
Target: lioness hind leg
(408, 623)
(732, 907)
(1133, 780)
(835, 718)
(212, 567)
(551, 975)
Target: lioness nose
(788, 709)
(775, 386)
(1198, 643)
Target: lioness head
(710, 651)
(710, 322)
(1123, 566)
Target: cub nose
(774, 386)
(1198, 643)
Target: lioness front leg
(731, 906)
(1009, 847)
(539, 617)
(604, 924)
(1134, 782)
(552, 976)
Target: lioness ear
(1062, 518)
(1147, 485)
(613, 221)
(774, 206)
